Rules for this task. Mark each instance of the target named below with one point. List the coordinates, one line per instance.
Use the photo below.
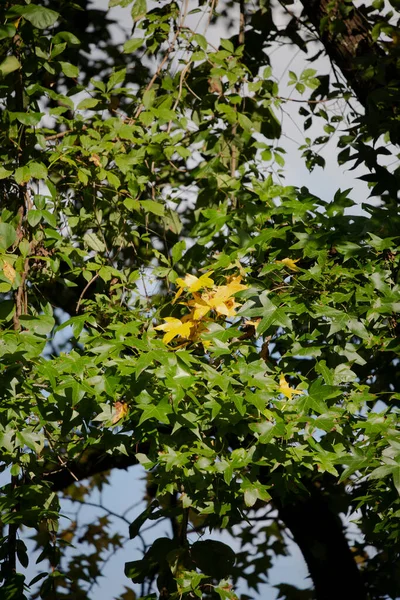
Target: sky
(127, 487)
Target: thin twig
(309, 101)
(234, 151)
(12, 537)
(85, 290)
(181, 78)
(59, 135)
(63, 463)
(107, 510)
(167, 54)
(20, 299)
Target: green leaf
(245, 122)
(307, 73)
(66, 36)
(8, 236)
(134, 527)
(177, 251)
(22, 174)
(254, 492)
(37, 170)
(318, 394)
(7, 31)
(34, 217)
(4, 173)
(154, 207)
(69, 70)
(343, 374)
(172, 222)
(272, 315)
(116, 78)
(9, 64)
(133, 44)
(213, 558)
(227, 45)
(94, 242)
(139, 10)
(27, 118)
(201, 40)
(39, 16)
(7, 308)
(41, 325)
(87, 103)
(265, 430)
(157, 412)
(122, 3)
(34, 441)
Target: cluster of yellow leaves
(213, 298)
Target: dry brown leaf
(121, 410)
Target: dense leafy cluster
(235, 335)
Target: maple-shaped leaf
(290, 263)
(200, 307)
(234, 285)
(226, 307)
(220, 299)
(9, 271)
(286, 390)
(175, 327)
(197, 329)
(158, 412)
(193, 283)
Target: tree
(232, 333)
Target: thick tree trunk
(347, 41)
(318, 532)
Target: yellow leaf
(9, 271)
(95, 158)
(290, 263)
(197, 329)
(254, 323)
(221, 301)
(200, 307)
(226, 307)
(234, 285)
(218, 299)
(193, 283)
(175, 327)
(286, 390)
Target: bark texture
(318, 532)
(348, 43)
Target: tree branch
(91, 462)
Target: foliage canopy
(231, 332)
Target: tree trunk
(347, 41)
(318, 532)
